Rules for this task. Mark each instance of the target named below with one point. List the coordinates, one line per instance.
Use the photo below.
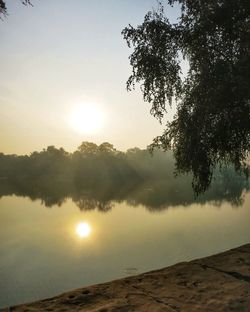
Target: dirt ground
(216, 283)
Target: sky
(64, 66)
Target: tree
(107, 148)
(88, 148)
(3, 7)
(212, 124)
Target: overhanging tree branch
(212, 123)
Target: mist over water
(71, 220)
(95, 177)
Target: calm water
(44, 252)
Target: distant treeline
(95, 176)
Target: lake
(49, 249)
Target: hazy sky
(59, 56)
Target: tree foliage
(212, 122)
(96, 176)
(3, 7)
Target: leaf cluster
(212, 122)
(3, 7)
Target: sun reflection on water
(83, 229)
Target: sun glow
(86, 118)
(83, 229)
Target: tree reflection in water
(97, 177)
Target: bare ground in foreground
(216, 283)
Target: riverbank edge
(219, 282)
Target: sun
(86, 118)
(83, 229)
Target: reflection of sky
(41, 254)
(57, 54)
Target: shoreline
(219, 282)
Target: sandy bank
(216, 283)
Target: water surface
(43, 254)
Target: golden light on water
(86, 118)
(83, 229)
